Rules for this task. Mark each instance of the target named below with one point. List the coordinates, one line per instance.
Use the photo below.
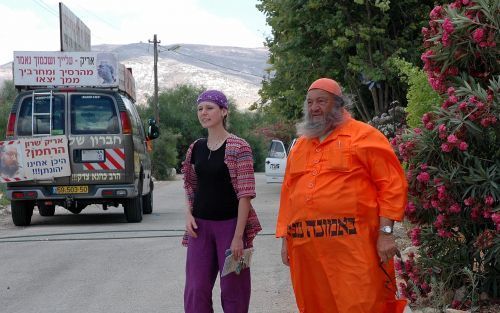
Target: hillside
(236, 71)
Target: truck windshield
(93, 114)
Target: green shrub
(421, 97)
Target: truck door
(100, 153)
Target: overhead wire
(95, 15)
(46, 7)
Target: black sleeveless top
(214, 198)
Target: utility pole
(155, 43)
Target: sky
(33, 25)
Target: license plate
(61, 190)
(93, 156)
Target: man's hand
(191, 225)
(284, 253)
(386, 247)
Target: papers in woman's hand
(236, 266)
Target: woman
(219, 183)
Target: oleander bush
(453, 161)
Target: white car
(276, 161)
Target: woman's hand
(237, 248)
(191, 225)
(284, 253)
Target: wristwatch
(387, 230)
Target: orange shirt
(332, 197)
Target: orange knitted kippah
(328, 85)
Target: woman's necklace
(217, 145)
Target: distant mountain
(236, 71)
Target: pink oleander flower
(452, 71)
(485, 122)
(487, 213)
(469, 201)
(410, 208)
(475, 213)
(480, 105)
(426, 55)
(441, 189)
(478, 35)
(455, 208)
(445, 147)
(415, 236)
(426, 118)
(439, 221)
(448, 26)
(423, 177)
(465, 2)
(445, 40)
(462, 106)
(443, 233)
(398, 268)
(429, 126)
(463, 146)
(450, 91)
(489, 200)
(425, 287)
(436, 12)
(452, 139)
(423, 166)
(417, 131)
(435, 203)
(495, 217)
(442, 128)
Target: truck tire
(147, 200)
(22, 212)
(46, 210)
(133, 209)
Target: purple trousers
(204, 261)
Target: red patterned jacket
(239, 161)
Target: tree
(352, 41)
(178, 119)
(7, 95)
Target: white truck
(276, 161)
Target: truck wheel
(22, 212)
(133, 209)
(147, 201)
(46, 210)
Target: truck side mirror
(153, 130)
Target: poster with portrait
(11, 168)
(34, 159)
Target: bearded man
(343, 189)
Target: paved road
(96, 262)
